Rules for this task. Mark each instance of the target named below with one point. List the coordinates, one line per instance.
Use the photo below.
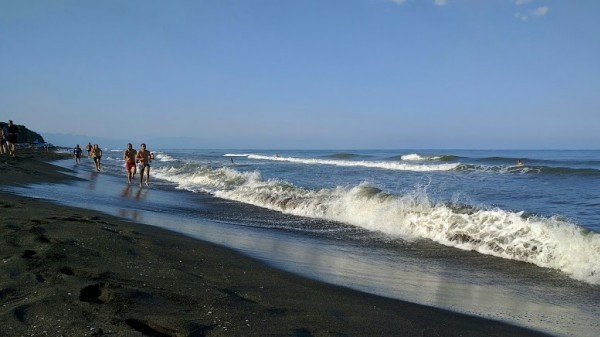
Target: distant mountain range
(70, 140)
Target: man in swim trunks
(144, 157)
(97, 155)
(129, 156)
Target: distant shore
(74, 272)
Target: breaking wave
(427, 163)
(530, 169)
(387, 165)
(546, 242)
(161, 156)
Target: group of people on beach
(142, 157)
(8, 139)
(93, 152)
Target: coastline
(74, 272)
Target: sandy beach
(74, 272)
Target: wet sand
(74, 272)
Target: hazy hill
(25, 135)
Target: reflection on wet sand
(139, 195)
(130, 214)
(92, 180)
(127, 192)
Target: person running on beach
(129, 155)
(11, 138)
(77, 153)
(144, 157)
(96, 153)
(89, 148)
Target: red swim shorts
(129, 165)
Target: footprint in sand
(28, 254)
(96, 293)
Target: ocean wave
(546, 242)
(416, 157)
(449, 158)
(540, 162)
(569, 171)
(236, 155)
(501, 159)
(524, 169)
(361, 163)
(423, 157)
(163, 157)
(498, 169)
(344, 155)
(419, 157)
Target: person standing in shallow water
(97, 155)
(144, 158)
(130, 157)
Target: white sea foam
(161, 156)
(546, 242)
(412, 156)
(235, 155)
(418, 157)
(360, 163)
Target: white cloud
(522, 2)
(521, 17)
(436, 2)
(540, 11)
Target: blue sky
(307, 73)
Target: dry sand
(74, 272)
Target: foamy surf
(545, 242)
(387, 165)
(418, 157)
(161, 156)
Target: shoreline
(74, 272)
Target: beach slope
(74, 272)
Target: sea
(472, 231)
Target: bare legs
(12, 149)
(131, 174)
(97, 162)
(147, 171)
